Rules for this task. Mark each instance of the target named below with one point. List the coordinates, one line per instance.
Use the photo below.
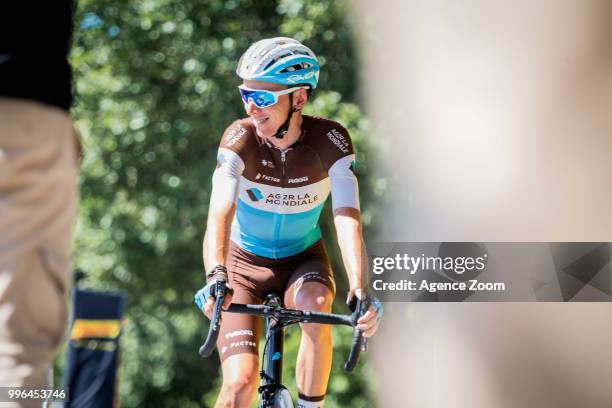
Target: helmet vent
(297, 67)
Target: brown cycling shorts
(253, 277)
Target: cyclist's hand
(205, 297)
(369, 322)
(210, 303)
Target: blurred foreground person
(38, 194)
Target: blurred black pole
(93, 351)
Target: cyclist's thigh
(239, 333)
(315, 267)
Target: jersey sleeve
(231, 157)
(344, 186)
(339, 158)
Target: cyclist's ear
(300, 97)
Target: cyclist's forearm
(352, 247)
(216, 239)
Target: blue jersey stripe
(274, 235)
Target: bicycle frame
(271, 374)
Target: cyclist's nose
(251, 108)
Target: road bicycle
(272, 393)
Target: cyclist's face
(267, 120)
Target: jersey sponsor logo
(267, 178)
(254, 194)
(312, 276)
(243, 343)
(236, 333)
(234, 135)
(267, 163)
(298, 180)
(339, 140)
(291, 200)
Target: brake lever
(215, 322)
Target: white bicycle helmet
(280, 60)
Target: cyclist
(275, 170)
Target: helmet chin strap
(284, 128)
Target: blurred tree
(155, 88)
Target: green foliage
(155, 88)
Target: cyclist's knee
(313, 296)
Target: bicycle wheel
(280, 399)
